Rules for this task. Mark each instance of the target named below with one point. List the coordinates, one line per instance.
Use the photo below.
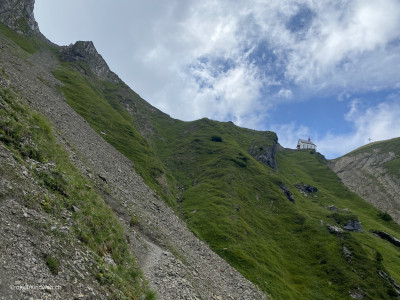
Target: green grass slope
(361, 271)
(236, 205)
(99, 103)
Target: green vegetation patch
(27, 42)
(53, 264)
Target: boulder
(287, 193)
(334, 229)
(306, 188)
(386, 236)
(353, 225)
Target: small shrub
(216, 138)
(32, 152)
(54, 181)
(378, 256)
(299, 219)
(133, 221)
(385, 216)
(150, 295)
(343, 218)
(83, 237)
(100, 278)
(52, 264)
(239, 163)
(46, 205)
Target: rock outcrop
(353, 225)
(265, 154)
(386, 236)
(306, 188)
(86, 52)
(18, 15)
(287, 193)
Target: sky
(328, 70)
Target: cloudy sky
(329, 70)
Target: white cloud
(236, 60)
(285, 93)
(379, 122)
(354, 110)
(346, 38)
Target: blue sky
(329, 70)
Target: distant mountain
(98, 190)
(373, 172)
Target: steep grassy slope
(29, 44)
(99, 103)
(63, 191)
(362, 269)
(236, 204)
(373, 171)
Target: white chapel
(305, 144)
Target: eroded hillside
(373, 173)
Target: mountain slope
(228, 190)
(225, 184)
(55, 225)
(176, 264)
(373, 172)
(280, 217)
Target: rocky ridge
(86, 52)
(265, 154)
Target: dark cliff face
(86, 52)
(265, 154)
(18, 15)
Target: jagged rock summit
(18, 15)
(85, 51)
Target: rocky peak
(18, 15)
(86, 52)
